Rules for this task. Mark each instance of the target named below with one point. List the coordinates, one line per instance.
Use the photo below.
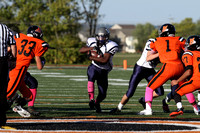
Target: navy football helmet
(35, 31)
(193, 43)
(167, 30)
(102, 35)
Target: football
(93, 53)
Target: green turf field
(130, 57)
(62, 92)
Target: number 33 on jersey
(28, 48)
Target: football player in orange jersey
(29, 80)
(169, 50)
(28, 47)
(191, 60)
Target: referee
(6, 39)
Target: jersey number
(198, 59)
(167, 46)
(185, 59)
(30, 46)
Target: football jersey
(110, 47)
(28, 48)
(142, 61)
(169, 48)
(192, 59)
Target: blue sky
(156, 12)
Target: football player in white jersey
(100, 66)
(143, 69)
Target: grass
(130, 57)
(62, 93)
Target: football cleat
(165, 106)
(97, 107)
(91, 104)
(142, 102)
(8, 128)
(177, 112)
(145, 112)
(21, 111)
(13, 99)
(115, 110)
(32, 111)
(20, 101)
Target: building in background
(122, 34)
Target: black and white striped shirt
(6, 39)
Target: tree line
(61, 21)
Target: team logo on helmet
(38, 30)
(165, 28)
(35, 31)
(192, 41)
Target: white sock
(120, 106)
(179, 105)
(148, 106)
(198, 97)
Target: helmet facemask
(102, 36)
(101, 39)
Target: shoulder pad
(111, 44)
(91, 41)
(112, 47)
(188, 52)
